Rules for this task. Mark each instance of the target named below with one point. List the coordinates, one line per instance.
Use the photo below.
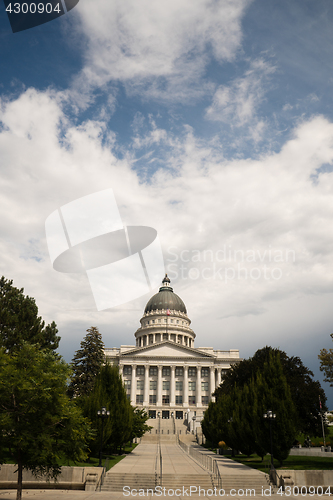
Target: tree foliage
(87, 363)
(19, 320)
(109, 391)
(139, 426)
(237, 416)
(305, 391)
(326, 364)
(39, 423)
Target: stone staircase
(256, 481)
(115, 481)
(173, 481)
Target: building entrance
(165, 414)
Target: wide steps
(181, 480)
(116, 481)
(245, 482)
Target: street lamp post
(103, 414)
(270, 417)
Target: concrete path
(142, 459)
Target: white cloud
(202, 203)
(163, 44)
(238, 103)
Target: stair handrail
(102, 477)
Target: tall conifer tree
(86, 364)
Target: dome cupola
(165, 299)
(165, 318)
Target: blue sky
(212, 121)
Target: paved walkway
(142, 459)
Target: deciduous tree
(39, 423)
(19, 320)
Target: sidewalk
(142, 460)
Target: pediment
(167, 349)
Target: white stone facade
(164, 373)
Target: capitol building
(164, 372)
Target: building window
(177, 321)
(204, 400)
(153, 321)
(165, 336)
(205, 372)
(127, 370)
(179, 386)
(139, 399)
(179, 371)
(166, 385)
(152, 413)
(179, 400)
(153, 385)
(204, 386)
(153, 371)
(179, 414)
(151, 339)
(191, 386)
(191, 400)
(139, 385)
(192, 372)
(152, 399)
(166, 371)
(127, 384)
(140, 370)
(165, 399)
(171, 320)
(128, 397)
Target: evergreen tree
(109, 391)
(326, 364)
(19, 320)
(237, 416)
(139, 426)
(274, 394)
(87, 363)
(305, 391)
(39, 423)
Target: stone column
(185, 388)
(198, 391)
(172, 386)
(212, 382)
(133, 388)
(146, 387)
(218, 377)
(159, 386)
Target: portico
(164, 372)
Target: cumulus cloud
(238, 103)
(223, 223)
(160, 44)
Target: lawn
(292, 462)
(109, 460)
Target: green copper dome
(165, 299)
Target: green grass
(292, 462)
(94, 461)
